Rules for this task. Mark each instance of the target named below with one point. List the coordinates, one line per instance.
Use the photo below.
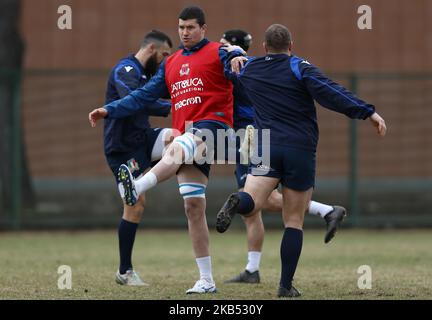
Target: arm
(137, 100)
(141, 98)
(160, 108)
(335, 97)
(332, 95)
(228, 54)
(128, 80)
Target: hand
(237, 64)
(378, 123)
(96, 115)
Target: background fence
(382, 182)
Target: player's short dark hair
(193, 12)
(239, 38)
(277, 38)
(156, 36)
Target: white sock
(254, 258)
(205, 268)
(319, 209)
(145, 183)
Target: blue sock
(126, 235)
(290, 250)
(246, 204)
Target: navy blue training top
(282, 90)
(124, 135)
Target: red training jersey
(198, 87)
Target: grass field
(401, 263)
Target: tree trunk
(11, 56)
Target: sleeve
(329, 94)
(140, 99)
(126, 79)
(226, 57)
(161, 108)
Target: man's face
(190, 32)
(156, 59)
(162, 52)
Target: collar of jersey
(197, 47)
(277, 55)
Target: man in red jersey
(202, 107)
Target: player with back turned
(289, 85)
(244, 117)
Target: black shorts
(294, 167)
(139, 159)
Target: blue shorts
(241, 170)
(213, 126)
(241, 173)
(139, 159)
(294, 167)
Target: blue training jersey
(124, 135)
(282, 90)
(243, 110)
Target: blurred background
(53, 172)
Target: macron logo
(128, 68)
(305, 61)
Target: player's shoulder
(215, 47)
(299, 65)
(127, 66)
(214, 44)
(302, 62)
(299, 59)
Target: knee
(254, 219)
(169, 137)
(194, 208)
(185, 144)
(294, 221)
(194, 199)
(134, 213)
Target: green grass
(401, 263)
